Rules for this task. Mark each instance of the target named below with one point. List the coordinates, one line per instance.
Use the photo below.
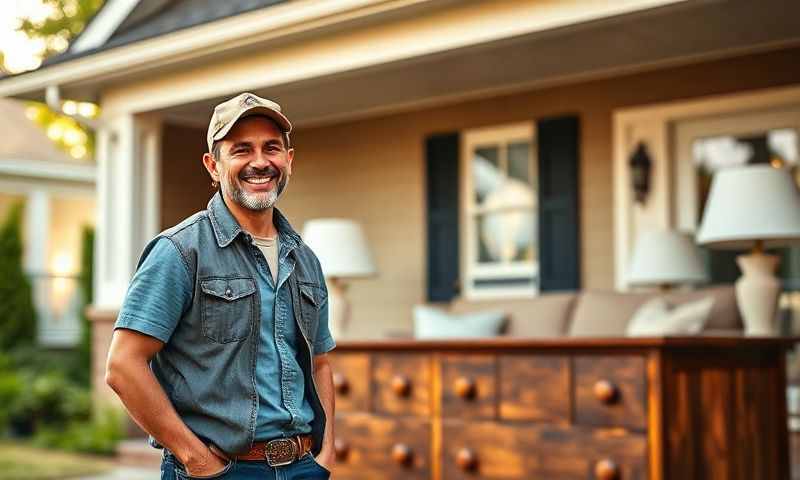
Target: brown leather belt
(277, 452)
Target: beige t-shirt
(269, 247)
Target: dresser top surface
(580, 343)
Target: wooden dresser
(699, 408)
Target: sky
(20, 52)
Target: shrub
(84, 351)
(11, 387)
(48, 400)
(99, 435)
(17, 315)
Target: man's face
(255, 165)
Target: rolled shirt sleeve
(159, 293)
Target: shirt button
(228, 293)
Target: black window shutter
(441, 160)
(559, 234)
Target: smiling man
(219, 351)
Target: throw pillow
(656, 318)
(431, 322)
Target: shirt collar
(226, 227)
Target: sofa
(598, 313)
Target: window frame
(470, 269)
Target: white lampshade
(666, 257)
(340, 246)
(756, 202)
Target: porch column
(128, 152)
(128, 201)
(37, 226)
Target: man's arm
(323, 376)
(128, 374)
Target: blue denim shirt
(283, 408)
(167, 295)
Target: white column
(128, 184)
(37, 235)
(37, 226)
(150, 128)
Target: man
(219, 351)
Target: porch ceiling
(683, 33)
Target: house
(483, 145)
(58, 195)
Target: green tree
(17, 315)
(86, 279)
(67, 20)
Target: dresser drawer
(469, 386)
(401, 383)
(370, 447)
(611, 391)
(488, 450)
(534, 387)
(351, 381)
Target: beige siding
(186, 184)
(373, 171)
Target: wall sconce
(641, 165)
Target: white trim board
(49, 170)
(100, 29)
(23, 186)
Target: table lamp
(757, 207)
(666, 258)
(342, 251)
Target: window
(499, 218)
(709, 144)
(778, 147)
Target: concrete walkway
(128, 473)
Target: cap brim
(275, 115)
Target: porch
(368, 89)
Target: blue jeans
(305, 468)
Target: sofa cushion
(605, 314)
(544, 316)
(725, 314)
(657, 318)
(432, 322)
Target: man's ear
(289, 158)
(211, 165)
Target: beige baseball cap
(227, 113)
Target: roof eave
(92, 70)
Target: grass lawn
(21, 462)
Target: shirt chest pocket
(228, 308)
(311, 298)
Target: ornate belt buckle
(281, 451)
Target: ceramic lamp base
(757, 293)
(338, 307)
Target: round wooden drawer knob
(465, 388)
(340, 383)
(341, 449)
(606, 391)
(606, 470)
(401, 385)
(467, 459)
(402, 454)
